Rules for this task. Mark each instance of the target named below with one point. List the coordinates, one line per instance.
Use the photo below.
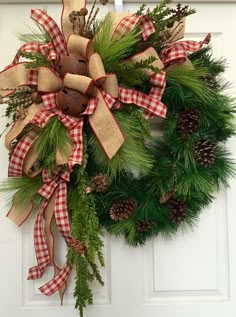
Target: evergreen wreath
(81, 149)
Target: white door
(193, 275)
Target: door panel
(192, 275)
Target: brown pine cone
(188, 121)
(78, 246)
(211, 81)
(100, 183)
(143, 226)
(204, 153)
(122, 209)
(178, 210)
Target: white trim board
(125, 1)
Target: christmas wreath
(81, 107)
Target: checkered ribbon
(53, 30)
(33, 77)
(57, 282)
(40, 245)
(158, 81)
(129, 22)
(153, 106)
(18, 156)
(150, 103)
(74, 125)
(34, 47)
(57, 186)
(177, 51)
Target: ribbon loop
(40, 242)
(96, 69)
(80, 45)
(177, 51)
(153, 106)
(53, 82)
(83, 84)
(125, 24)
(19, 154)
(52, 28)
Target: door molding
(125, 1)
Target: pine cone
(212, 82)
(122, 209)
(143, 226)
(100, 183)
(178, 210)
(78, 246)
(188, 121)
(204, 153)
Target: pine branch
(132, 155)
(20, 99)
(37, 59)
(24, 189)
(163, 19)
(141, 9)
(37, 34)
(52, 137)
(132, 66)
(113, 50)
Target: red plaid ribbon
(128, 23)
(40, 245)
(159, 84)
(33, 77)
(153, 106)
(150, 103)
(58, 183)
(49, 51)
(74, 125)
(63, 224)
(177, 51)
(17, 159)
(53, 30)
(28, 47)
(57, 282)
(34, 47)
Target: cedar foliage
(84, 227)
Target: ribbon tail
(61, 212)
(106, 128)
(57, 282)
(40, 242)
(52, 28)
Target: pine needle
(23, 188)
(53, 136)
(113, 50)
(132, 155)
